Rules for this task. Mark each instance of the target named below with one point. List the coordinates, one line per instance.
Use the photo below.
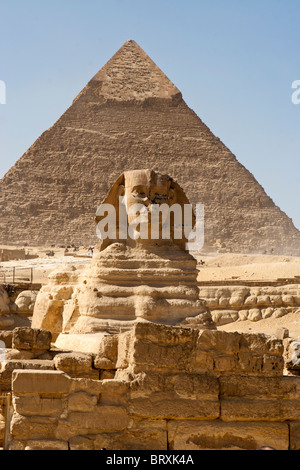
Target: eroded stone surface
(175, 388)
(132, 279)
(239, 303)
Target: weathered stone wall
(14, 254)
(232, 303)
(172, 388)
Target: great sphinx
(138, 274)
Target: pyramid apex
(130, 75)
(131, 41)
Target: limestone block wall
(15, 254)
(173, 388)
(233, 303)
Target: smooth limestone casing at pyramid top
(131, 116)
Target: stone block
(164, 334)
(23, 338)
(223, 301)
(144, 434)
(259, 398)
(243, 315)
(125, 350)
(223, 317)
(10, 365)
(273, 365)
(104, 363)
(114, 392)
(46, 444)
(166, 405)
(282, 333)
(279, 312)
(260, 387)
(101, 419)
(263, 301)
(245, 409)
(219, 435)
(18, 355)
(82, 401)
(238, 297)
(203, 361)
(25, 302)
(81, 443)
(216, 351)
(267, 312)
(288, 300)
(250, 363)
(260, 343)
(178, 396)
(45, 382)
(276, 300)
(107, 374)
(35, 405)
(159, 346)
(31, 338)
(42, 340)
(254, 314)
(15, 444)
(295, 435)
(250, 301)
(218, 340)
(76, 364)
(108, 353)
(35, 427)
(87, 343)
(48, 313)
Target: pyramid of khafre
(131, 116)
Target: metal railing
(16, 274)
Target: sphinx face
(146, 207)
(142, 190)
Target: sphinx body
(128, 280)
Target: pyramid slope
(131, 75)
(131, 116)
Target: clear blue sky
(233, 60)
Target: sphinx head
(144, 206)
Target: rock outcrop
(130, 279)
(238, 303)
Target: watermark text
(296, 93)
(2, 92)
(2, 351)
(157, 221)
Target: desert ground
(229, 267)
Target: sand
(248, 267)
